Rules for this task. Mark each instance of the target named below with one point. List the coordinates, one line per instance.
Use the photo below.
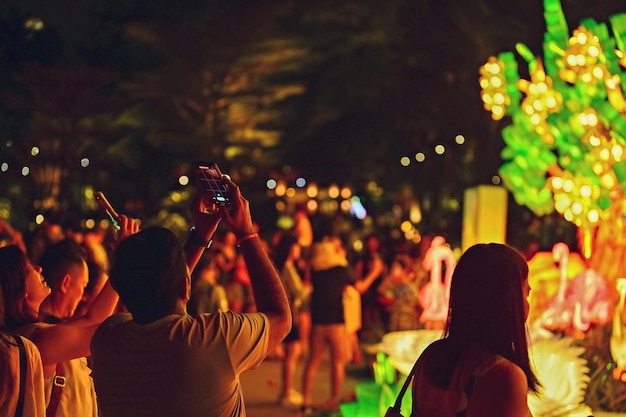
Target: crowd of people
(135, 322)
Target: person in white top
(12, 381)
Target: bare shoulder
(501, 391)
(504, 370)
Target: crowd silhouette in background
(341, 299)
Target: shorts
(293, 335)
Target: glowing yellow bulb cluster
(494, 95)
(540, 100)
(605, 150)
(581, 60)
(568, 119)
(574, 198)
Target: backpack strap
(58, 383)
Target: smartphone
(212, 183)
(104, 203)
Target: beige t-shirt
(179, 365)
(34, 401)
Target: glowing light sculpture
(563, 371)
(618, 335)
(557, 316)
(435, 295)
(564, 149)
(578, 304)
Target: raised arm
(62, 342)
(363, 283)
(269, 294)
(106, 301)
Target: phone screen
(104, 203)
(211, 181)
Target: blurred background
(369, 109)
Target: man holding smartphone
(158, 360)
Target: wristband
(195, 240)
(247, 237)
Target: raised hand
(237, 217)
(128, 227)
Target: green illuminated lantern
(565, 148)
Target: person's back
(160, 361)
(176, 366)
(10, 378)
(480, 379)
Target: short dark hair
(148, 270)
(58, 258)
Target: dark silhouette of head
(149, 272)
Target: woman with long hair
(21, 373)
(481, 365)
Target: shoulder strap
(398, 404)
(19, 409)
(466, 377)
(58, 382)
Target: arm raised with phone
(269, 293)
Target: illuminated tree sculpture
(565, 148)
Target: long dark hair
(486, 310)
(13, 269)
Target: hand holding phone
(214, 190)
(104, 203)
